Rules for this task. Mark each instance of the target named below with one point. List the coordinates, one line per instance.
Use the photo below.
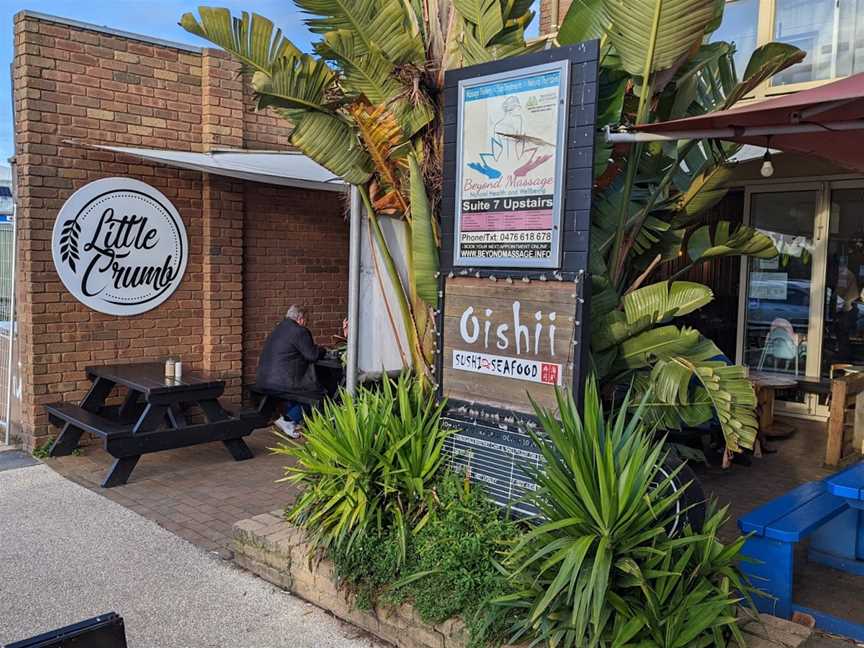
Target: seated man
(287, 364)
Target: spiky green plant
(601, 569)
(368, 463)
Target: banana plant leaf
(423, 244)
(729, 240)
(251, 38)
(652, 35)
(764, 63)
(662, 301)
(485, 14)
(585, 20)
(333, 144)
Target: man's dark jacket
(287, 360)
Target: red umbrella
(825, 121)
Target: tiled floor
(198, 492)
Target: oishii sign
(120, 246)
(504, 342)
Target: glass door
(781, 327)
(843, 340)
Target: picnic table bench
(829, 513)
(151, 418)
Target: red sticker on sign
(549, 373)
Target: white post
(355, 229)
(12, 327)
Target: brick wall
(76, 83)
(281, 230)
(546, 7)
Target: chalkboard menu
(515, 221)
(497, 459)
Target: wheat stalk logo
(69, 242)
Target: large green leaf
(662, 342)
(662, 301)
(486, 16)
(294, 82)
(705, 190)
(423, 244)
(659, 30)
(764, 63)
(372, 76)
(383, 25)
(729, 240)
(585, 20)
(250, 38)
(333, 144)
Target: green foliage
(450, 565)
(650, 201)
(384, 58)
(42, 451)
(368, 465)
(601, 570)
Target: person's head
(296, 313)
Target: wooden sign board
(506, 341)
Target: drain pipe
(355, 228)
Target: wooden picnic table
(151, 418)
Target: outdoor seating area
(471, 324)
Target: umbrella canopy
(827, 121)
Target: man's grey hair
(295, 312)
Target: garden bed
(274, 550)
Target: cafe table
(765, 384)
(151, 417)
(840, 543)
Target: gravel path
(67, 554)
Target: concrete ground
(67, 554)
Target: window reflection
(830, 31)
(739, 28)
(843, 341)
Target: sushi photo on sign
(510, 168)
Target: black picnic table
(151, 418)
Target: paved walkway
(197, 493)
(68, 554)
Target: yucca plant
(686, 594)
(600, 568)
(368, 464)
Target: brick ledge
(274, 550)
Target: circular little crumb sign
(119, 246)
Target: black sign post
(516, 203)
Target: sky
(155, 18)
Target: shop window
(739, 27)
(830, 31)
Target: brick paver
(798, 460)
(197, 493)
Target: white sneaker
(288, 427)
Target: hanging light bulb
(767, 169)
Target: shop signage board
(510, 167)
(516, 200)
(119, 246)
(504, 343)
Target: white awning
(273, 167)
